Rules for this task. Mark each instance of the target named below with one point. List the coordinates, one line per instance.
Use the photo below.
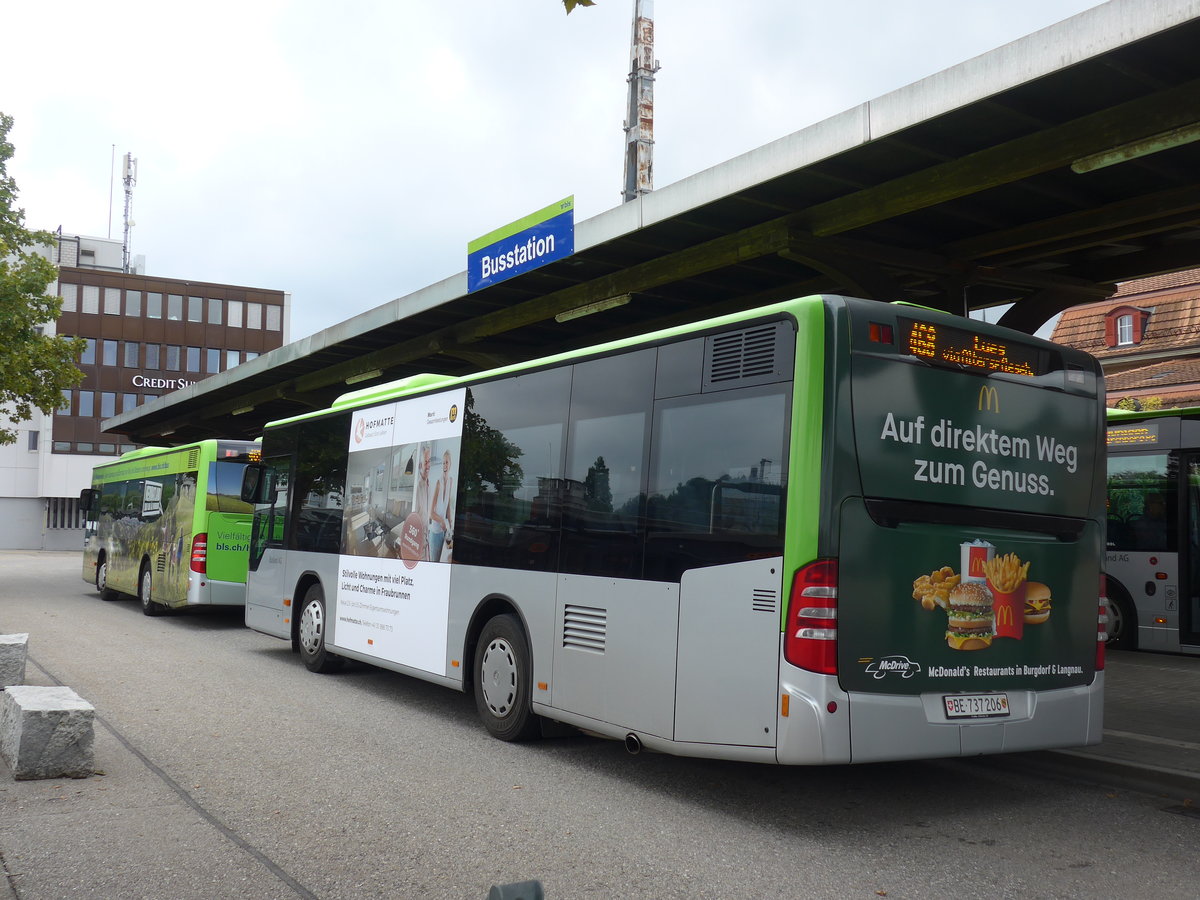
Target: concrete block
(46, 732)
(13, 648)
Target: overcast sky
(346, 153)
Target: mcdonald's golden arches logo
(1004, 615)
(988, 398)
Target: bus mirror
(87, 499)
(254, 483)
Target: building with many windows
(146, 336)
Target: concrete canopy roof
(1040, 174)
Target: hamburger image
(969, 617)
(1037, 602)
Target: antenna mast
(639, 125)
(130, 179)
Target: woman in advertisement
(439, 515)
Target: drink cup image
(973, 556)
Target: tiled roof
(1174, 324)
(1168, 374)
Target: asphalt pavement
(1151, 744)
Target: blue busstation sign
(520, 246)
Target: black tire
(503, 679)
(311, 629)
(106, 593)
(145, 583)
(1122, 624)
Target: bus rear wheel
(312, 633)
(503, 678)
(102, 580)
(145, 583)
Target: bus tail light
(1102, 623)
(810, 641)
(200, 553)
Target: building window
(132, 354)
(1124, 330)
(133, 303)
(274, 318)
(70, 296)
(108, 404)
(212, 361)
(195, 309)
(91, 299)
(62, 446)
(129, 402)
(146, 398)
(125, 448)
(88, 356)
(154, 306)
(174, 307)
(112, 301)
(65, 408)
(33, 439)
(108, 355)
(172, 358)
(107, 448)
(235, 313)
(214, 311)
(152, 354)
(87, 401)
(251, 354)
(254, 315)
(193, 359)
(84, 446)
(232, 358)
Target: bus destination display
(960, 347)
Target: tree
(571, 4)
(35, 368)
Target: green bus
(168, 525)
(824, 531)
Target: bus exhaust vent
(585, 628)
(193, 458)
(758, 355)
(765, 601)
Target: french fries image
(1005, 573)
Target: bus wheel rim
(498, 672)
(1116, 621)
(310, 627)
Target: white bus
(1153, 560)
(825, 531)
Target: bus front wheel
(102, 580)
(312, 633)
(145, 582)
(1122, 624)
(503, 676)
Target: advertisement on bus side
(393, 588)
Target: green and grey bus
(147, 536)
(824, 531)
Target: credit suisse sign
(170, 384)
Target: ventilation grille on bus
(160, 564)
(756, 355)
(193, 458)
(585, 628)
(765, 601)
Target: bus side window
(717, 480)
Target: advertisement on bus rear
(393, 587)
(957, 592)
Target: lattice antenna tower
(129, 179)
(639, 124)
